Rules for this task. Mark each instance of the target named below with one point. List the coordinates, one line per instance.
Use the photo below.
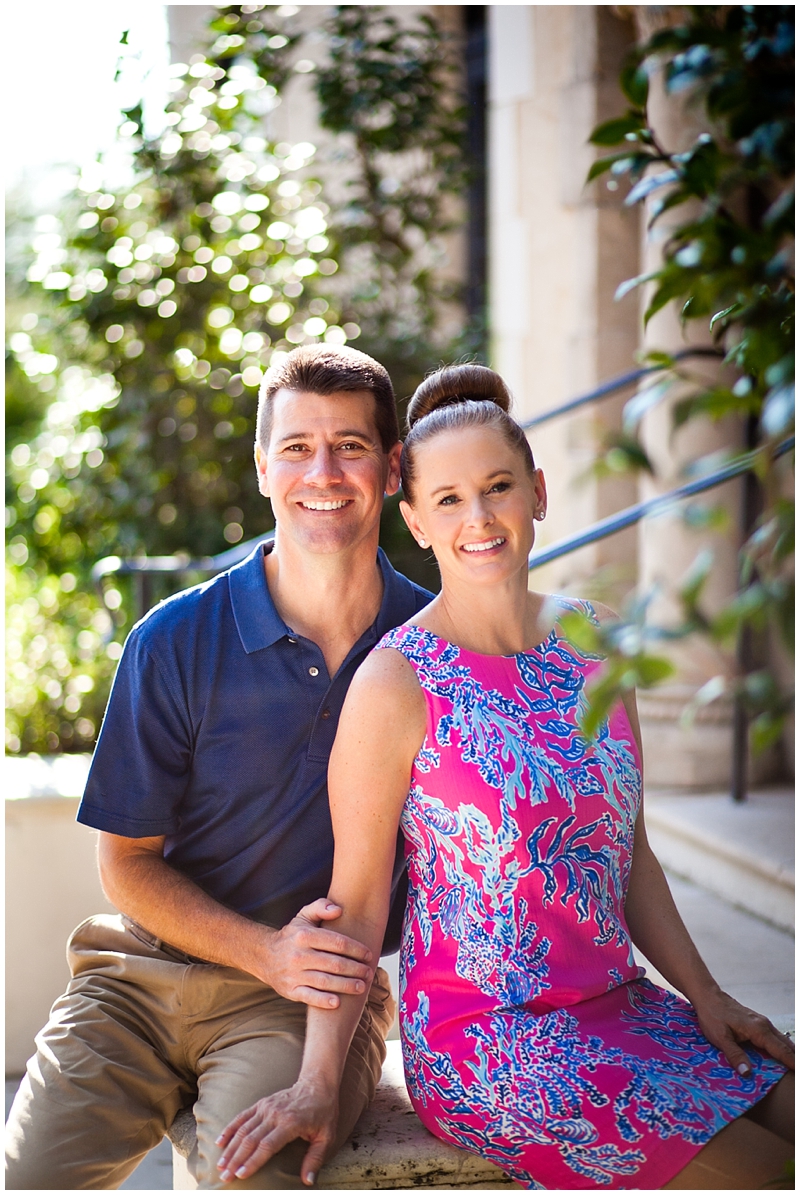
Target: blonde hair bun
(457, 384)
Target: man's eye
(295, 447)
(352, 446)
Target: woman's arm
(381, 729)
(657, 928)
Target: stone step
(389, 1150)
(741, 852)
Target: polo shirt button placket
(313, 671)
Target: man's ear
(393, 474)
(261, 470)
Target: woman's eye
(500, 487)
(449, 500)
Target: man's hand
(310, 964)
(257, 1134)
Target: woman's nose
(480, 513)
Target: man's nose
(323, 468)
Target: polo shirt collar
(259, 624)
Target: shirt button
(326, 713)
(313, 671)
(291, 640)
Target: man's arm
(368, 783)
(302, 961)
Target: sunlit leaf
(611, 132)
(635, 84)
(650, 184)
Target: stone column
(699, 755)
(558, 250)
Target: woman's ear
(540, 489)
(412, 522)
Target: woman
(529, 1034)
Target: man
(208, 787)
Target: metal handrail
(211, 565)
(613, 385)
(179, 563)
(652, 506)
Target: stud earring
(423, 543)
(539, 515)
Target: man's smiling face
(325, 470)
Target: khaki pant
(143, 1031)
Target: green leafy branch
(728, 262)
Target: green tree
(728, 263)
(149, 313)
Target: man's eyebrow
(345, 434)
(490, 477)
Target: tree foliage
(148, 314)
(728, 262)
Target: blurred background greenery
(143, 311)
(142, 319)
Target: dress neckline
(563, 604)
(482, 655)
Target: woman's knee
(776, 1110)
(741, 1157)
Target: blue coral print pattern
(529, 1034)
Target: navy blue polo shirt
(218, 733)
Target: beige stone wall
(558, 250)
(51, 886)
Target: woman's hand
(306, 1110)
(726, 1023)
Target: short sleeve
(141, 765)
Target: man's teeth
(326, 505)
(484, 547)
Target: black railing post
(144, 592)
(475, 290)
(741, 722)
(745, 655)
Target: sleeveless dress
(529, 1033)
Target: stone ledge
(742, 853)
(27, 776)
(390, 1149)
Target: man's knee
(281, 1173)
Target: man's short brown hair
(329, 369)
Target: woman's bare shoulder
(604, 613)
(384, 711)
(386, 682)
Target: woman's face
(475, 504)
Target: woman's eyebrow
(489, 477)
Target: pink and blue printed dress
(529, 1033)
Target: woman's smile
(486, 545)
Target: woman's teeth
(484, 547)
